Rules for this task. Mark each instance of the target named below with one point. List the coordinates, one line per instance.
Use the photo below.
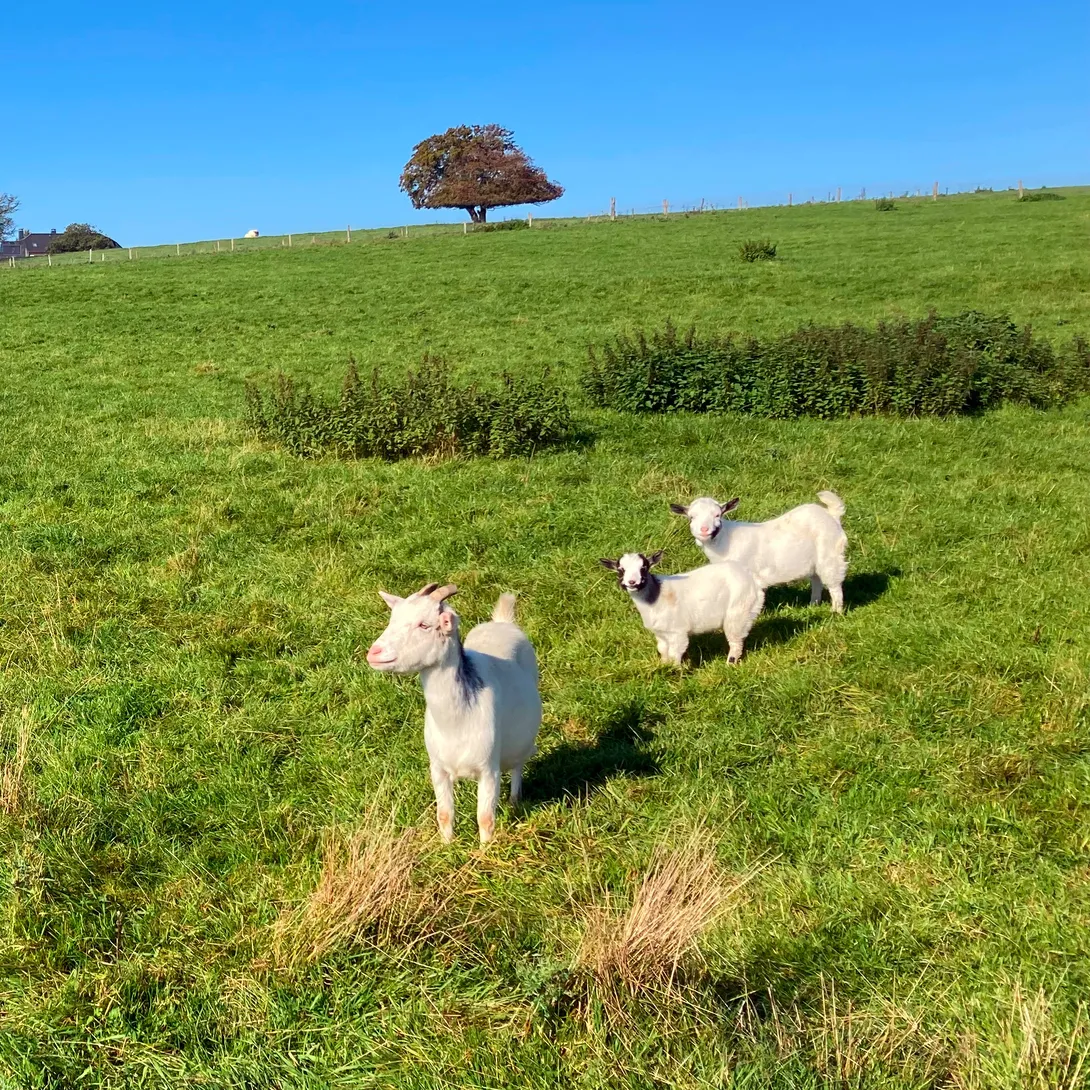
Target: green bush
(424, 413)
(757, 249)
(930, 366)
(502, 225)
(885, 204)
(77, 237)
(1041, 195)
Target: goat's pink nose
(375, 651)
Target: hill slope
(901, 794)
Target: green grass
(183, 616)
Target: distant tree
(475, 167)
(81, 236)
(8, 204)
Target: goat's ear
(611, 564)
(678, 509)
(446, 621)
(654, 558)
(730, 505)
(390, 599)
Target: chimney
(53, 231)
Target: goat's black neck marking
(648, 591)
(469, 682)
(715, 532)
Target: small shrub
(931, 366)
(425, 413)
(885, 204)
(503, 225)
(760, 249)
(1041, 195)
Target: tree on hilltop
(474, 167)
(8, 204)
(81, 236)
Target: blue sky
(166, 122)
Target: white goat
(806, 542)
(675, 607)
(483, 706)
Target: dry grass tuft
(1031, 1051)
(13, 786)
(682, 897)
(365, 893)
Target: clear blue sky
(160, 122)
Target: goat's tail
(504, 609)
(834, 503)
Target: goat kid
(806, 542)
(483, 706)
(674, 607)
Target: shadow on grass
(576, 770)
(860, 589)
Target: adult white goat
(806, 542)
(674, 607)
(483, 706)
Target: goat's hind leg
(816, 588)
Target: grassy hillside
(897, 799)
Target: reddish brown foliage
(475, 167)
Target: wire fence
(350, 236)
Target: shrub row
(931, 366)
(424, 413)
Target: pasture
(897, 799)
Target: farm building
(28, 244)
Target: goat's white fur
(483, 706)
(806, 542)
(674, 607)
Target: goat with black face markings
(674, 607)
(806, 542)
(483, 706)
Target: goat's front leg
(676, 646)
(488, 791)
(443, 784)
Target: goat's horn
(427, 588)
(443, 593)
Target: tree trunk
(474, 218)
(483, 213)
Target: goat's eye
(423, 626)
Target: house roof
(30, 243)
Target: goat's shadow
(576, 770)
(860, 589)
(773, 627)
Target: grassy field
(897, 799)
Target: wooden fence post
(838, 194)
(232, 245)
(739, 204)
(935, 192)
(529, 219)
(178, 249)
(465, 228)
(1021, 191)
(289, 242)
(348, 233)
(789, 196)
(612, 208)
(50, 257)
(130, 253)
